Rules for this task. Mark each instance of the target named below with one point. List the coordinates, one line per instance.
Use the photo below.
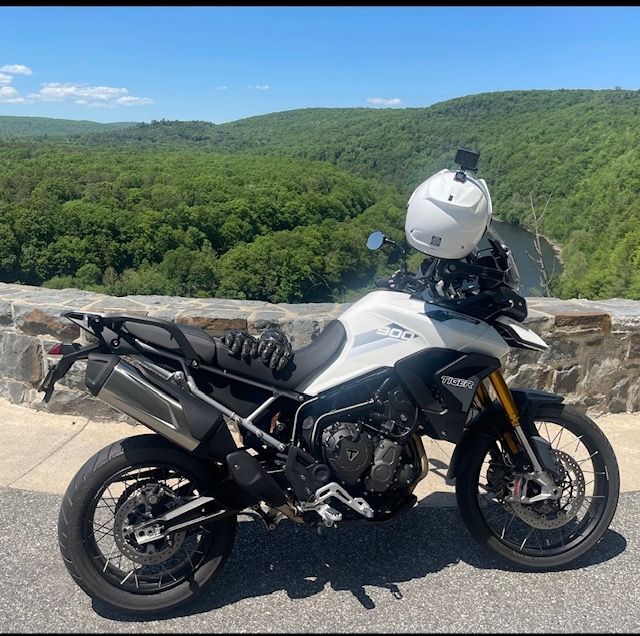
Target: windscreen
(512, 276)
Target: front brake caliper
(528, 488)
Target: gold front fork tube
(483, 396)
(506, 401)
(505, 398)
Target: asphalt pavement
(422, 574)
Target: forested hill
(513, 130)
(23, 127)
(188, 223)
(577, 150)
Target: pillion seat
(307, 362)
(203, 344)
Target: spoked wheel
(548, 533)
(121, 487)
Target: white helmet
(447, 216)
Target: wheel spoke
(535, 532)
(525, 539)
(106, 564)
(588, 458)
(180, 560)
(558, 436)
(127, 576)
(507, 525)
(188, 557)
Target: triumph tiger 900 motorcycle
(334, 438)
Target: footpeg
(361, 506)
(329, 515)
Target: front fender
(493, 420)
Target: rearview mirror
(375, 240)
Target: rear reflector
(56, 350)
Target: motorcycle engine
(371, 451)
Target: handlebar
(399, 281)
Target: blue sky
(224, 63)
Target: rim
(120, 502)
(547, 529)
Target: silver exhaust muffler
(154, 401)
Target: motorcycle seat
(307, 362)
(203, 344)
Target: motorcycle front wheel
(547, 534)
(120, 486)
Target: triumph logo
(352, 453)
(464, 384)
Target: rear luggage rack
(96, 324)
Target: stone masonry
(593, 360)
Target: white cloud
(16, 69)
(260, 87)
(381, 101)
(222, 88)
(81, 94)
(107, 96)
(57, 92)
(9, 95)
(130, 100)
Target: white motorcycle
(334, 437)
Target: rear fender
(493, 421)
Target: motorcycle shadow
(300, 562)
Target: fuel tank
(384, 327)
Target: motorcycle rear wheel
(104, 498)
(543, 536)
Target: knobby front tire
(523, 534)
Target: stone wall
(594, 355)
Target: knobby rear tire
(78, 498)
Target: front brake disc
(555, 514)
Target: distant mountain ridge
(578, 150)
(22, 127)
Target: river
(521, 241)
